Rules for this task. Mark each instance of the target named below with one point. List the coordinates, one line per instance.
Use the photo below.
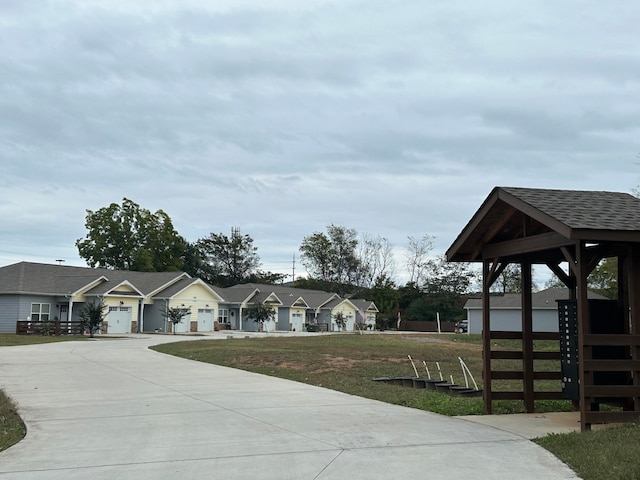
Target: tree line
(128, 237)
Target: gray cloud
(395, 118)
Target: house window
(40, 312)
(223, 315)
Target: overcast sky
(392, 117)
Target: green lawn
(348, 363)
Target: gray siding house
(135, 301)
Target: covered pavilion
(570, 232)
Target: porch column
(527, 337)
(582, 269)
(140, 315)
(486, 338)
(633, 274)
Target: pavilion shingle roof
(578, 209)
(510, 213)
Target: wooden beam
(611, 339)
(497, 267)
(535, 243)
(571, 260)
(518, 375)
(527, 336)
(632, 274)
(494, 230)
(606, 365)
(614, 417)
(604, 391)
(583, 330)
(562, 276)
(486, 339)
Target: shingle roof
(313, 298)
(579, 209)
(364, 305)
(553, 216)
(542, 300)
(41, 278)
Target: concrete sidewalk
(112, 409)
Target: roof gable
(552, 218)
(40, 278)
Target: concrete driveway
(113, 409)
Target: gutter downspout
(140, 315)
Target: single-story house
(43, 292)
(506, 311)
(136, 300)
(296, 307)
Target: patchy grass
(610, 453)
(12, 429)
(348, 363)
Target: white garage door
(296, 322)
(119, 319)
(205, 320)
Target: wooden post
(486, 338)
(633, 274)
(583, 329)
(527, 337)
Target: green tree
(128, 237)
(92, 316)
(228, 260)
(451, 277)
(340, 320)
(509, 281)
(261, 313)
(332, 258)
(603, 279)
(175, 315)
(384, 293)
(447, 305)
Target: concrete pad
(530, 425)
(114, 409)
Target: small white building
(506, 311)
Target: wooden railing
(55, 327)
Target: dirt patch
(423, 339)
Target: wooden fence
(424, 326)
(55, 327)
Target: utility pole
(293, 273)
